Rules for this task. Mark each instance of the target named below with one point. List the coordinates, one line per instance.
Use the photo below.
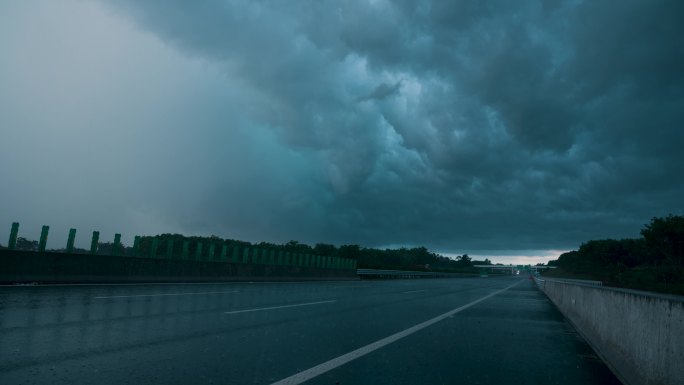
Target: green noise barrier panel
(70, 241)
(153, 248)
(43, 238)
(117, 244)
(94, 242)
(12, 244)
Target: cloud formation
(458, 125)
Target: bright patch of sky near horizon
(498, 130)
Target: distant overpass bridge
(513, 268)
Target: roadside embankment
(640, 335)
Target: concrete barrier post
(169, 249)
(136, 246)
(12, 244)
(153, 248)
(70, 241)
(185, 252)
(224, 253)
(43, 238)
(198, 251)
(94, 242)
(117, 244)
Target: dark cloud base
(455, 125)
(533, 124)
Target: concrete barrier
(640, 335)
(399, 274)
(53, 267)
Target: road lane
(152, 334)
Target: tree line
(655, 261)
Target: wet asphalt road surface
(495, 330)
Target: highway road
(495, 330)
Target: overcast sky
(493, 128)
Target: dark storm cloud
(511, 124)
(460, 125)
(382, 91)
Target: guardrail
(583, 282)
(378, 273)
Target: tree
(26, 245)
(349, 251)
(665, 237)
(324, 249)
(464, 260)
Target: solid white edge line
(279, 307)
(360, 352)
(163, 295)
(413, 291)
